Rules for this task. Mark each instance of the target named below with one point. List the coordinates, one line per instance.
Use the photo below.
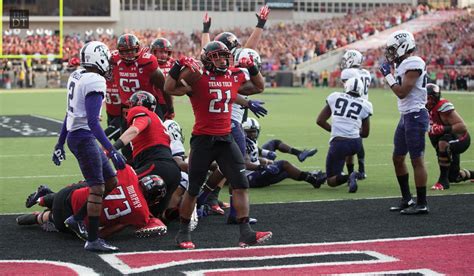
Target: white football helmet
(251, 124)
(354, 86)
(247, 52)
(351, 58)
(97, 55)
(174, 130)
(398, 44)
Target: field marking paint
(47, 118)
(38, 176)
(24, 155)
(79, 269)
(380, 258)
(423, 271)
(114, 261)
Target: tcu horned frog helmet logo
(96, 54)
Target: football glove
(436, 129)
(256, 107)
(117, 159)
(206, 23)
(262, 16)
(59, 154)
(385, 69)
(271, 155)
(189, 62)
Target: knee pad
(444, 157)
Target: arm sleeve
(93, 105)
(63, 133)
(141, 122)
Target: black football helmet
(161, 48)
(154, 189)
(128, 46)
(434, 95)
(143, 98)
(216, 57)
(229, 40)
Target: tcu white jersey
(362, 74)
(253, 154)
(79, 85)
(347, 114)
(184, 182)
(416, 98)
(238, 112)
(176, 137)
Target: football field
(26, 163)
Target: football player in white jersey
(351, 68)
(86, 92)
(408, 83)
(350, 121)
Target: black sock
(341, 179)
(48, 200)
(303, 176)
(184, 225)
(404, 188)
(93, 228)
(213, 196)
(361, 159)
(443, 176)
(244, 226)
(82, 213)
(472, 174)
(350, 168)
(421, 195)
(295, 151)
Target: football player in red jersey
(125, 206)
(113, 108)
(449, 136)
(151, 145)
(137, 70)
(162, 49)
(211, 99)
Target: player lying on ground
(127, 205)
(450, 138)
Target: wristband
(447, 129)
(390, 80)
(261, 23)
(253, 71)
(265, 152)
(175, 70)
(118, 144)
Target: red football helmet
(128, 46)
(161, 48)
(216, 57)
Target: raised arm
(254, 38)
(206, 26)
(408, 82)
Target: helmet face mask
(229, 39)
(128, 46)
(399, 44)
(434, 95)
(154, 189)
(162, 49)
(143, 98)
(251, 128)
(216, 57)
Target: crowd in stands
(285, 45)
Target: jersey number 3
(119, 212)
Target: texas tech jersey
(79, 85)
(166, 67)
(347, 114)
(212, 98)
(360, 73)
(443, 106)
(113, 104)
(416, 98)
(154, 134)
(124, 205)
(135, 76)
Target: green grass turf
(26, 163)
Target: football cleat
(306, 153)
(353, 182)
(316, 178)
(216, 210)
(233, 220)
(49, 227)
(184, 241)
(415, 210)
(254, 238)
(154, 227)
(99, 245)
(77, 227)
(439, 187)
(27, 219)
(362, 175)
(33, 198)
(403, 205)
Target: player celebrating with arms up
(409, 85)
(211, 98)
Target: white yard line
(38, 176)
